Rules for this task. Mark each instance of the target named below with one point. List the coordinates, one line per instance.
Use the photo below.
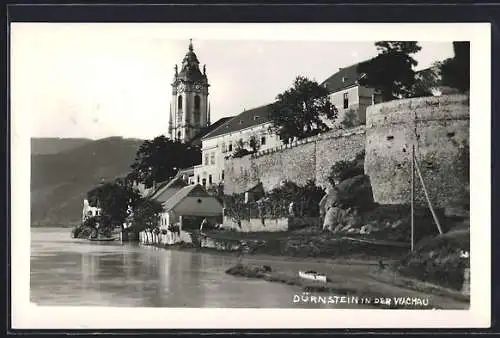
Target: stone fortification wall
(299, 162)
(439, 128)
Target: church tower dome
(189, 105)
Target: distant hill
(46, 146)
(60, 181)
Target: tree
(114, 199)
(455, 72)
(426, 80)
(147, 215)
(301, 110)
(240, 150)
(254, 143)
(159, 160)
(391, 71)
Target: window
(230, 147)
(204, 182)
(209, 179)
(198, 179)
(212, 158)
(346, 100)
(223, 146)
(206, 159)
(197, 102)
(222, 175)
(178, 134)
(179, 102)
(263, 140)
(256, 117)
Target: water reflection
(71, 272)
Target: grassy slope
(60, 181)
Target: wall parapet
(432, 108)
(331, 134)
(306, 159)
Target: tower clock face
(197, 87)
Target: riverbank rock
(251, 271)
(337, 219)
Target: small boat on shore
(313, 275)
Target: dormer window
(344, 79)
(256, 117)
(241, 121)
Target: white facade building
(349, 96)
(223, 141)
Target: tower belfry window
(179, 102)
(196, 102)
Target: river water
(71, 272)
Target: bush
(276, 203)
(343, 170)
(350, 119)
(240, 152)
(438, 260)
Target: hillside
(46, 146)
(60, 181)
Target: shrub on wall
(217, 191)
(343, 170)
(350, 119)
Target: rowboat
(313, 275)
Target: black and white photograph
(205, 172)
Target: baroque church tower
(189, 108)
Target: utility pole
(412, 197)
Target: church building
(189, 107)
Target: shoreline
(351, 275)
(270, 257)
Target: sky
(96, 81)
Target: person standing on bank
(203, 225)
